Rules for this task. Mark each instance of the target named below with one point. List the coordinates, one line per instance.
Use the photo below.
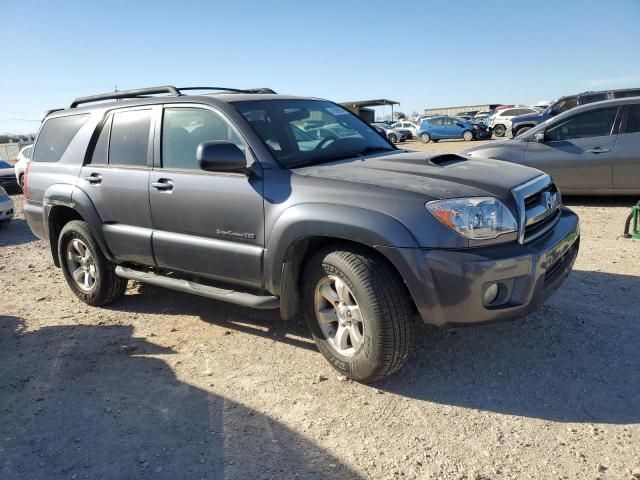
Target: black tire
(467, 135)
(108, 286)
(425, 137)
(499, 130)
(521, 130)
(393, 138)
(435, 140)
(384, 304)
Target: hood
(434, 176)
(528, 116)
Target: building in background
(461, 109)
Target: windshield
(305, 132)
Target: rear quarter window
(55, 136)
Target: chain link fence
(9, 151)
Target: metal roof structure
(370, 103)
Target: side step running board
(230, 296)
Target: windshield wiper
(340, 156)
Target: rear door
(116, 179)
(578, 150)
(207, 223)
(626, 164)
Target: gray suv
(227, 196)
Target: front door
(116, 179)
(626, 162)
(206, 223)
(578, 150)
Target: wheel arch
(304, 229)
(64, 203)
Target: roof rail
(225, 89)
(140, 92)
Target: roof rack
(170, 89)
(140, 92)
(225, 89)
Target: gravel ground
(163, 385)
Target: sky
(421, 54)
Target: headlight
(478, 218)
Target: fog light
(491, 293)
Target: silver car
(394, 135)
(6, 208)
(592, 150)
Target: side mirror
(539, 137)
(221, 156)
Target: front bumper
(447, 286)
(6, 208)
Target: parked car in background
(394, 135)
(483, 114)
(593, 149)
(500, 121)
(407, 125)
(7, 176)
(21, 165)
(470, 113)
(445, 127)
(6, 208)
(523, 123)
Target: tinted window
(101, 150)
(633, 119)
(130, 138)
(436, 121)
(564, 104)
(183, 129)
(55, 137)
(627, 94)
(589, 124)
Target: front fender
(355, 224)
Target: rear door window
(129, 141)
(595, 123)
(55, 136)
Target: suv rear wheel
(499, 130)
(358, 312)
(88, 273)
(393, 138)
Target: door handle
(163, 184)
(94, 178)
(598, 150)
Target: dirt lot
(163, 385)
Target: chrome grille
(539, 207)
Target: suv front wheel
(88, 273)
(358, 312)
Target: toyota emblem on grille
(551, 200)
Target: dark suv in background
(227, 196)
(523, 123)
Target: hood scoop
(446, 160)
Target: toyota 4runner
(273, 201)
